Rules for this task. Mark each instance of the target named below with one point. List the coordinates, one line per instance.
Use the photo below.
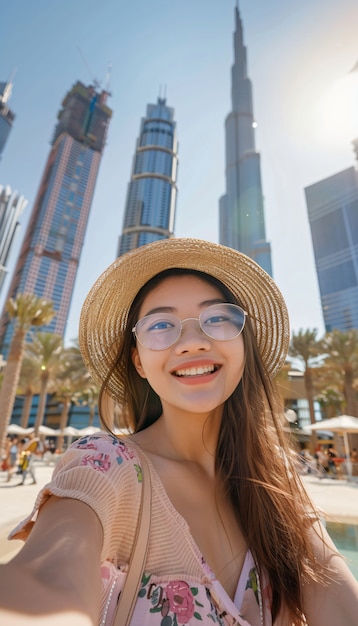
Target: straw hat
(105, 310)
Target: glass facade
(78, 416)
(11, 207)
(5, 128)
(50, 253)
(151, 197)
(333, 216)
(241, 210)
(6, 115)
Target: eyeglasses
(159, 331)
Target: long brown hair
(253, 460)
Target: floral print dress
(178, 587)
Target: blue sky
(299, 52)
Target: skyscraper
(332, 206)
(241, 212)
(6, 115)
(11, 207)
(50, 253)
(152, 192)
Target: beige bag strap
(129, 594)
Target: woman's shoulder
(102, 452)
(106, 442)
(100, 470)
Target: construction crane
(96, 83)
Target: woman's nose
(192, 337)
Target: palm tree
(47, 349)
(330, 398)
(65, 393)
(70, 381)
(27, 311)
(29, 384)
(88, 396)
(342, 351)
(86, 391)
(281, 381)
(307, 349)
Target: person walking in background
(322, 459)
(11, 456)
(306, 459)
(332, 454)
(187, 336)
(27, 458)
(354, 461)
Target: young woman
(186, 337)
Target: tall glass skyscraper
(50, 253)
(11, 207)
(241, 212)
(6, 115)
(152, 192)
(332, 206)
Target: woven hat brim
(105, 310)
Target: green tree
(307, 350)
(342, 359)
(27, 311)
(86, 391)
(330, 398)
(29, 384)
(46, 349)
(88, 396)
(71, 380)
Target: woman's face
(196, 374)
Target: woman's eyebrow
(213, 301)
(171, 309)
(161, 309)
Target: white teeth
(195, 371)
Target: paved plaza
(337, 498)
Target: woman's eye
(162, 325)
(216, 319)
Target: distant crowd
(326, 461)
(18, 458)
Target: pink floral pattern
(177, 602)
(99, 459)
(180, 600)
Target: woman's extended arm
(337, 601)
(56, 575)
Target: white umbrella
(43, 430)
(89, 430)
(342, 424)
(47, 431)
(15, 429)
(69, 431)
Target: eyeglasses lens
(222, 322)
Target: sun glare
(336, 111)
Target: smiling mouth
(196, 371)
